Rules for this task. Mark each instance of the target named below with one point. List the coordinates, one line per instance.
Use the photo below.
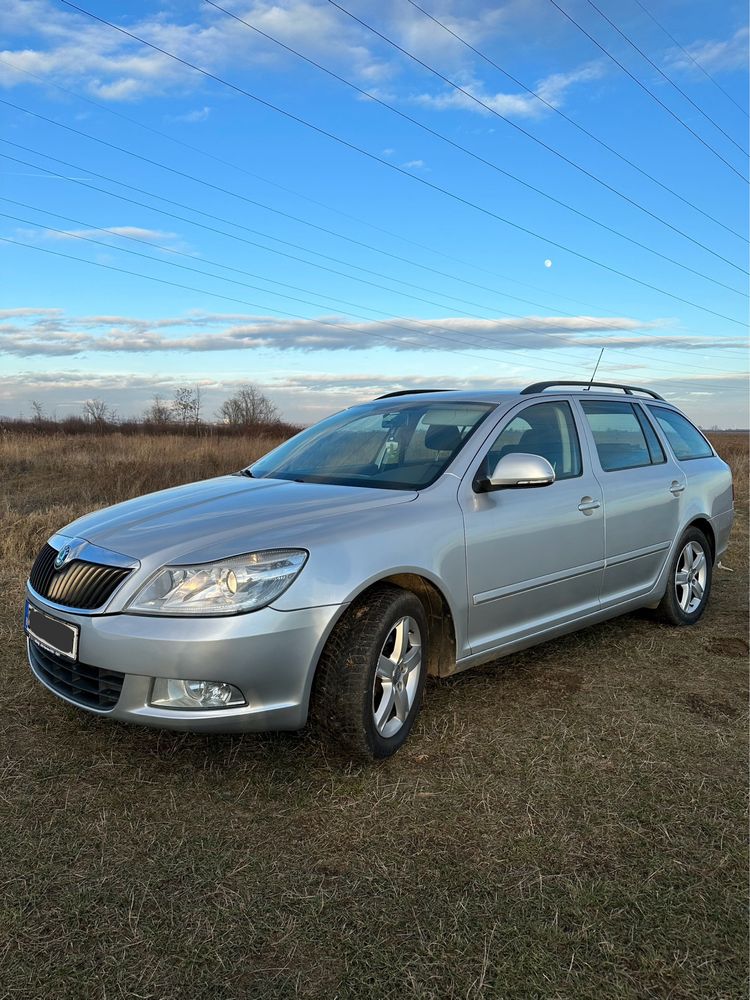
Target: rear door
(534, 556)
(642, 487)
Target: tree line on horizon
(247, 409)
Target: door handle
(676, 488)
(587, 504)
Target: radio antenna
(596, 368)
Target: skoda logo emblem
(61, 556)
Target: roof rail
(627, 389)
(409, 392)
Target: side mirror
(518, 471)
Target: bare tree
(159, 412)
(248, 406)
(186, 405)
(96, 411)
(37, 411)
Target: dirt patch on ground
(733, 646)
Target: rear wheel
(371, 675)
(689, 583)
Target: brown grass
(568, 823)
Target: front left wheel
(371, 675)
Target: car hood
(226, 516)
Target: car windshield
(392, 446)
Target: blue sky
(273, 253)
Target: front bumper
(269, 655)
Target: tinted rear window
(685, 440)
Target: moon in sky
(548, 263)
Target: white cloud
(193, 117)
(135, 232)
(71, 48)
(715, 55)
(57, 335)
(552, 88)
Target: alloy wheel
(397, 677)
(690, 577)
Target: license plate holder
(50, 633)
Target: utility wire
(244, 241)
(353, 218)
(483, 160)
(668, 78)
(432, 325)
(428, 325)
(336, 326)
(235, 237)
(302, 221)
(692, 59)
(255, 305)
(392, 166)
(453, 277)
(572, 121)
(684, 364)
(644, 88)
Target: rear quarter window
(685, 440)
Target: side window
(685, 440)
(619, 436)
(545, 429)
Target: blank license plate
(53, 634)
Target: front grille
(85, 685)
(78, 584)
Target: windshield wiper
(245, 472)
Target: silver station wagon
(423, 532)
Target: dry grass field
(568, 823)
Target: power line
(228, 298)
(692, 59)
(491, 342)
(644, 88)
(392, 166)
(324, 229)
(306, 222)
(430, 326)
(650, 357)
(359, 220)
(576, 124)
(481, 159)
(668, 78)
(234, 236)
(421, 246)
(336, 326)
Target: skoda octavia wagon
(420, 533)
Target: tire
(358, 706)
(689, 581)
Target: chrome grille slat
(79, 584)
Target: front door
(534, 555)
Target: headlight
(243, 583)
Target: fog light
(169, 693)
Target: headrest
(442, 437)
